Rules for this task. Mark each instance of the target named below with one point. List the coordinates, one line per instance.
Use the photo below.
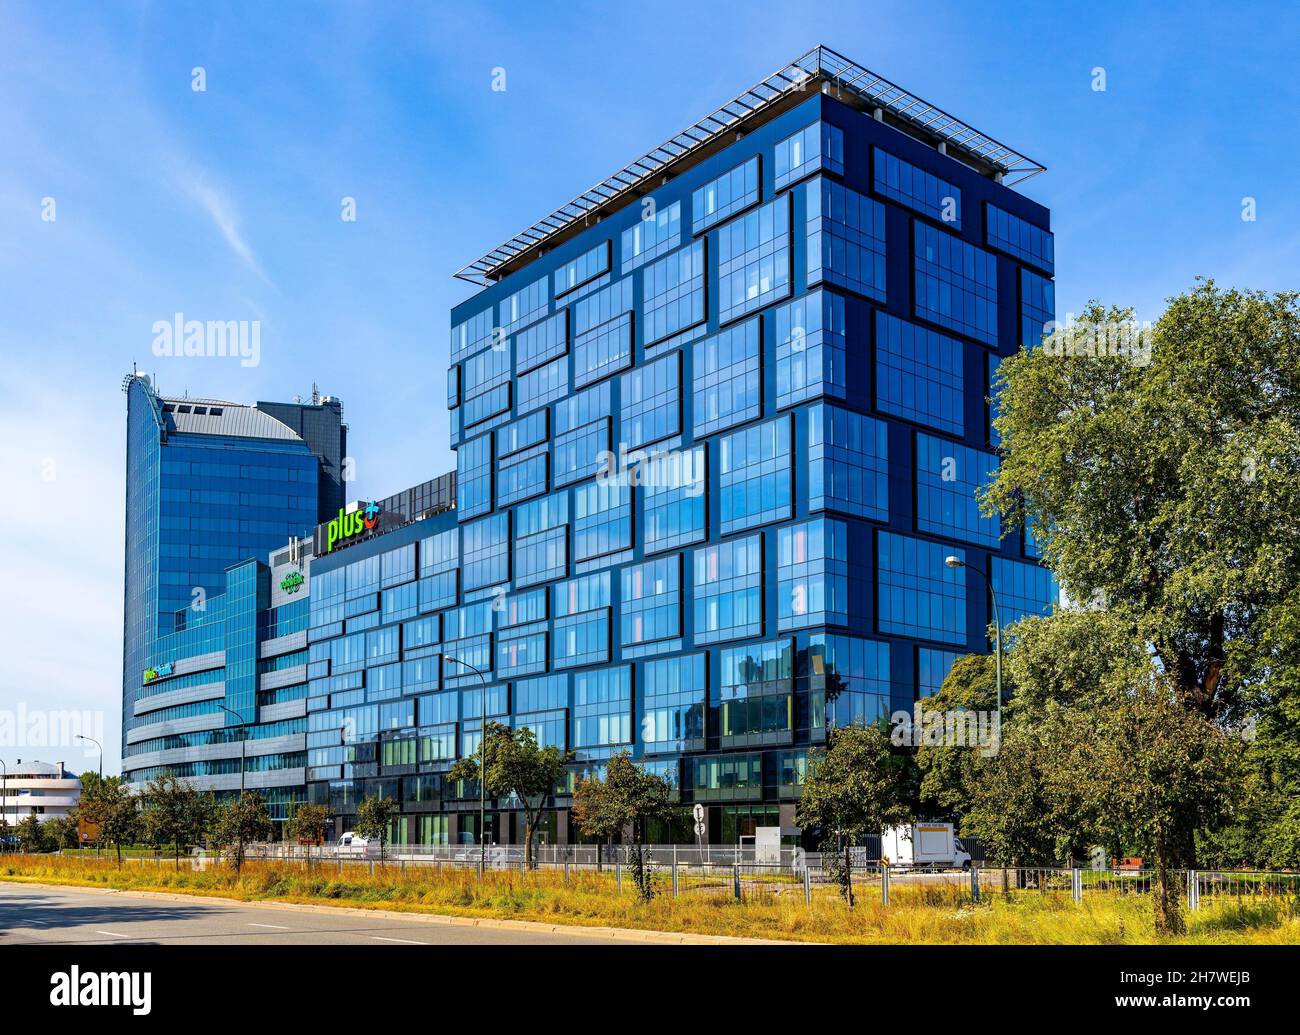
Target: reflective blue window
(587, 266)
(756, 694)
(527, 304)
(672, 293)
(846, 239)
(1023, 590)
(947, 478)
(851, 676)
(486, 551)
(676, 508)
(521, 656)
(848, 462)
(581, 639)
(1015, 236)
(728, 382)
(543, 385)
(932, 668)
(754, 260)
(542, 342)
(754, 475)
(730, 193)
(651, 601)
(812, 574)
(810, 348)
(728, 596)
(473, 334)
(919, 374)
(521, 478)
(956, 284)
(918, 594)
(814, 148)
(527, 431)
(919, 190)
(474, 476)
(542, 540)
(601, 306)
(602, 351)
(1037, 308)
(658, 231)
(602, 708)
(652, 402)
(602, 519)
(674, 693)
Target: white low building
(41, 789)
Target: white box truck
(924, 846)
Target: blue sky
(225, 204)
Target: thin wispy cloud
(195, 184)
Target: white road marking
(404, 941)
(270, 927)
(113, 934)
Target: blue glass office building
(212, 488)
(796, 306)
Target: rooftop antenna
(315, 394)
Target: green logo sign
(152, 673)
(346, 526)
(292, 582)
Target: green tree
(175, 813)
(627, 798)
(860, 785)
(307, 825)
(31, 835)
(1146, 767)
(239, 822)
(946, 770)
(115, 810)
(373, 817)
(596, 813)
(62, 832)
(516, 767)
(1169, 489)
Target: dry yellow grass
(933, 915)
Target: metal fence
(744, 873)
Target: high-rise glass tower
(210, 485)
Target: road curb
(485, 923)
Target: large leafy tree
(860, 785)
(308, 824)
(1169, 488)
(115, 811)
(517, 767)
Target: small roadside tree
(307, 825)
(62, 832)
(116, 811)
(373, 816)
(859, 786)
(597, 814)
(517, 767)
(240, 821)
(628, 798)
(175, 813)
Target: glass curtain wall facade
(713, 451)
(212, 488)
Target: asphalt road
(68, 916)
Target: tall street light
(482, 762)
(4, 793)
(243, 743)
(956, 562)
(101, 754)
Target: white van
(924, 846)
(352, 844)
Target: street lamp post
(482, 762)
(101, 754)
(243, 743)
(956, 562)
(4, 793)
